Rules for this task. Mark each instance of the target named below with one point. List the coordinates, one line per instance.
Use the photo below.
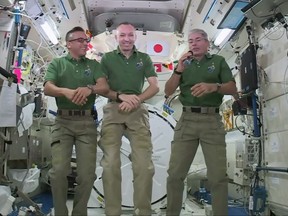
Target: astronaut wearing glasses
(74, 81)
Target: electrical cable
(274, 39)
(243, 131)
(6, 8)
(268, 15)
(31, 21)
(167, 104)
(281, 4)
(171, 99)
(38, 48)
(264, 16)
(42, 47)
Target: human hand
(81, 94)
(133, 100)
(181, 62)
(126, 107)
(201, 89)
(69, 93)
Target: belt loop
(204, 109)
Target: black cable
(272, 39)
(170, 100)
(242, 131)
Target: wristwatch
(219, 85)
(178, 73)
(118, 100)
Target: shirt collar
(118, 51)
(208, 55)
(69, 57)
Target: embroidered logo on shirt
(211, 68)
(87, 72)
(139, 64)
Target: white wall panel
(272, 58)
(277, 75)
(276, 150)
(275, 116)
(273, 46)
(277, 184)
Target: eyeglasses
(81, 40)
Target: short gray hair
(199, 31)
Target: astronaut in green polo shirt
(126, 69)
(203, 80)
(74, 80)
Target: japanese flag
(158, 48)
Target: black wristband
(118, 100)
(178, 73)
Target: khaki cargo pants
(136, 126)
(191, 130)
(81, 132)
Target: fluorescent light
(49, 32)
(222, 36)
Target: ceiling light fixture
(223, 36)
(49, 32)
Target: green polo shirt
(127, 75)
(67, 72)
(210, 69)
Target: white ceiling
(168, 9)
(187, 13)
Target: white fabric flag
(158, 48)
(8, 97)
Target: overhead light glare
(49, 32)
(222, 36)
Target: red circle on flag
(158, 48)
